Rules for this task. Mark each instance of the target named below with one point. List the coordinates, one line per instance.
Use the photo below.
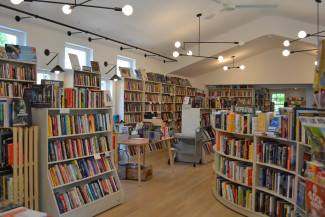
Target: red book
(64, 203)
(315, 197)
(64, 175)
(11, 154)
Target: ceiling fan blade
(209, 17)
(255, 6)
(217, 1)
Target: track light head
(47, 52)
(89, 39)
(17, 18)
(69, 33)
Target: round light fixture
(115, 79)
(66, 9)
(189, 53)
(57, 72)
(242, 67)
(316, 62)
(220, 58)
(127, 10)
(286, 43)
(16, 2)
(241, 43)
(225, 68)
(286, 53)
(302, 34)
(175, 54)
(177, 44)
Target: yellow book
(231, 120)
(247, 198)
(242, 124)
(261, 122)
(49, 122)
(250, 151)
(240, 196)
(68, 123)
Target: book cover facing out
(315, 199)
(27, 54)
(42, 96)
(12, 51)
(21, 112)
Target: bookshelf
(25, 187)
(298, 102)
(86, 79)
(263, 100)
(15, 76)
(63, 155)
(260, 165)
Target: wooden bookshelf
(263, 100)
(257, 166)
(16, 75)
(48, 201)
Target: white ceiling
(156, 24)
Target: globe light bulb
(57, 72)
(225, 68)
(242, 67)
(127, 10)
(302, 34)
(16, 2)
(286, 43)
(115, 79)
(177, 44)
(241, 43)
(316, 63)
(66, 9)
(220, 58)
(189, 53)
(286, 53)
(175, 54)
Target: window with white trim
(85, 55)
(124, 62)
(46, 75)
(11, 36)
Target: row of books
(6, 148)
(178, 124)
(167, 107)
(75, 170)
(233, 122)
(220, 103)
(167, 98)
(236, 170)
(168, 89)
(205, 120)
(68, 97)
(219, 93)
(243, 101)
(152, 107)
(180, 91)
(6, 185)
(207, 133)
(77, 147)
(147, 148)
(15, 112)
(132, 96)
(271, 152)
(229, 145)
(152, 97)
(235, 193)
(178, 115)
(76, 124)
(133, 85)
(279, 182)
(191, 92)
(86, 80)
(240, 93)
(84, 194)
(13, 89)
(9, 71)
(208, 148)
(167, 116)
(133, 107)
(281, 125)
(178, 107)
(152, 88)
(272, 206)
(179, 99)
(133, 118)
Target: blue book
(27, 54)
(301, 195)
(85, 168)
(92, 192)
(275, 124)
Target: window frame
(277, 104)
(21, 35)
(131, 61)
(87, 50)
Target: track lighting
(242, 67)
(16, 2)
(287, 52)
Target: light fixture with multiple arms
(178, 44)
(68, 7)
(57, 69)
(242, 67)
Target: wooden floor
(186, 193)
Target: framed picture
(95, 66)
(74, 61)
(125, 72)
(86, 68)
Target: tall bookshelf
(263, 100)
(257, 188)
(96, 127)
(86, 79)
(15, 76)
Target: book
(21, 112)
(95, 66)
(138, 74)
(42, 96)
(3, 53)
(12, 51)
(74, 61)
(315, 197)
(144, 74)
(107, 98)
(27, 53)
(86, 68)
(301, 195)
(125, 72)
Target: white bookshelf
(257, 172)
(70, 79)
(48, 201)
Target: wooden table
(128, 143)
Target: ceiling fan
(228, 6)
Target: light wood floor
(186, 193)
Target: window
(85, 55)
(11, 36)
(278, 100)
(45, 74)
(124, 62)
